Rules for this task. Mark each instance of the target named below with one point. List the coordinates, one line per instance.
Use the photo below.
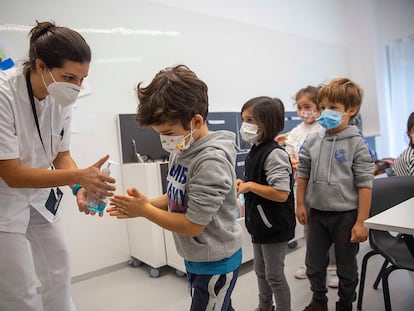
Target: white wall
(392, 20)
(261, 48)
(364, 27)
(359, 37)
(346, 23)
(321, 20)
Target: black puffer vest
(267, 221)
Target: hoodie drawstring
(330, 160)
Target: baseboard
(95, 273)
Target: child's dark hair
(270, 115)
(311, 92)
(175, 95)
(343, 91)
(54, 45)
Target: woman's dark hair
(175, 95)
(270, 115)
(54, 45)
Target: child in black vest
(267, 188)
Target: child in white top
(308, 110)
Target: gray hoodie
(336, 166)
(201, 184)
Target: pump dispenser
(94, 205)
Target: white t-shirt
(19, 139)
(298, 135)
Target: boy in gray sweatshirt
(335, 174)
(200, 206)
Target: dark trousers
(325, 229)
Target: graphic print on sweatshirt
(177, 178)
(340, 156)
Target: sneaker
(331, 277)
(317, 305)
(301, 273)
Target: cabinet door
(146, 239)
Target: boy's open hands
(128, 206)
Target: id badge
(53, 201)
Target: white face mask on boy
(64, 93)
(248, 132)
(176, 144)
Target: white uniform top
(19, 138)
(298, 135)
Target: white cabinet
(146, 239)
(247, 246)
(173, 258)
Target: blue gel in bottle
(97, 207)
(94, 205)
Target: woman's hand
(95, 182)
(82, 201)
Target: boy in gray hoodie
(334, 182)
(200, 205)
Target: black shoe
(258, 309)
(317, 305)
(341, 306)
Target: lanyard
(31, 97)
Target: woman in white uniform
(35, 116)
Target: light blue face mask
(330, 119)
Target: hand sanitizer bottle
(94, 205)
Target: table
(399, 218)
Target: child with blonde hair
(335, 174)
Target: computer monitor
(147, 141)
(230, 121)
(240, 164)
(291, 120)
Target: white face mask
(64, 93)
(176, 144)
(248, 132)
(308, 116)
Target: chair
(386, 193)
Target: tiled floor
(131, 289)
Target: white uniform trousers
(51, 261)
